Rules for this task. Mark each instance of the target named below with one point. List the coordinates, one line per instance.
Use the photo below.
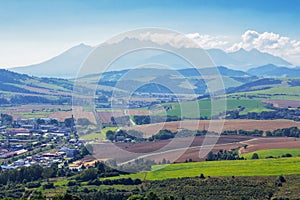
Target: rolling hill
(271, 70)
(18, 88)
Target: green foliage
(69, 122)
(6, 119)
(224, 155)
(255, 156)
(274, 153)
(65, 197)
(225, 188)
(136, 197)
(163, 135)
(88, 174)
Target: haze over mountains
(67, 64)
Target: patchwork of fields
(261, 167)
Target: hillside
(18, 88)
(271, 70)
(187, 80)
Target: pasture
(190, 111)
(261, 167)
(273, 152)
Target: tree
(88, 174)
(152, 196)
(202, 176)
(255, 156)
(281, 179)
(6, 119)
(83, 122)
(136, 197)
(69, 122)
(210, 156)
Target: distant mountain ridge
(271, 70)
(67, 64)
(64, 65)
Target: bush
(71, 183)
(33, 184)
(255, 156)
(288, 155)
(48, 186)
(202, 176)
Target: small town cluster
(42, 141)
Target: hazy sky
(32, 31)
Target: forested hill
(18, 88)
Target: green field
(273, 152)
(261, 167)
(251, 105)
(280, 93)
(97, 136)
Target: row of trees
(277, 113)
(99, 171)
(223, 155)
(285, 132)
(20, 99)
(146, 119)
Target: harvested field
(78, 113)
(284, 103)
(173, 150)
(249, 125)
(138, 112)
(271, 143)
(105, 117)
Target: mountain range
(67, 64)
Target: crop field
(248, 125)
(284, 103)
(276, 93)
(97, 136)
(266, 143)
(261, 167)
(274, 153)
(173, 150)
(78, 112)
(251, 105)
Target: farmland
(276, 93)
(94, 134)
(249, 125)
(266, 143)
(274, 153)
(261, 167)
(251, 105)
(284, 103)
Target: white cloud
(271, 43)
(191, 40)
(208, 41)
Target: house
(19, 162)
(14, 131)
(8, 155)
(17, 147)
(6, 167)
(70, 153)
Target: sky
(32, 31)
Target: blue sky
(35, 30)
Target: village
(42, 141)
